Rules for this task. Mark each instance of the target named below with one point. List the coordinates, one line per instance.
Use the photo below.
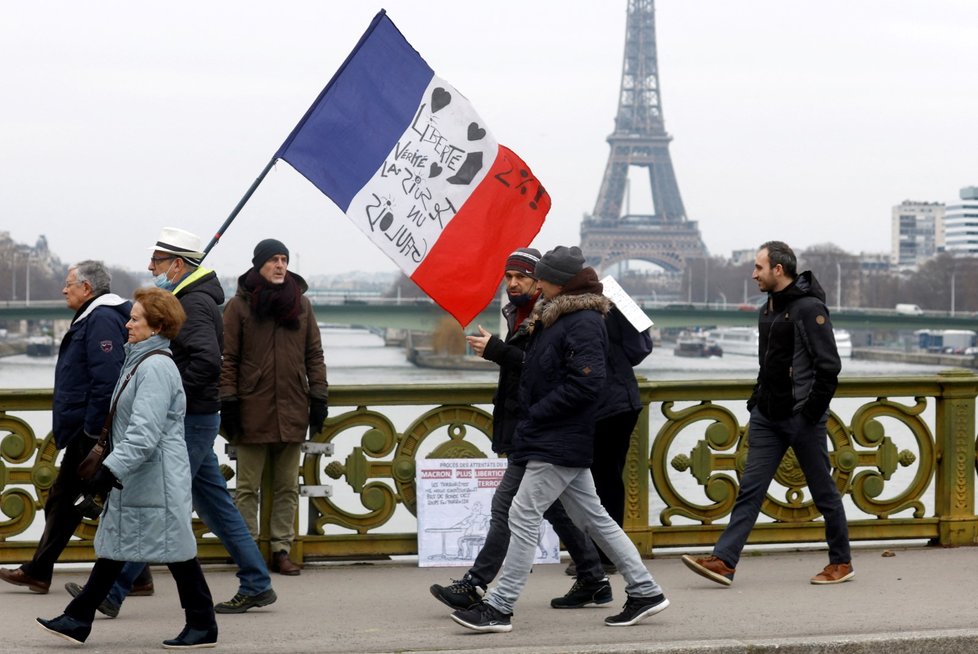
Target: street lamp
(838, 286)
(953, 278)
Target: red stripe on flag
(462, 271)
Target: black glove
(103, 482)
(317, 415)
(231, 419)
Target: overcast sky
(804, 120)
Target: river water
(356, 357)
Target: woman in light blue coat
(145, 481)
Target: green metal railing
(909, 441)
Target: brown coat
(272, 370)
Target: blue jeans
(490, 557)
(768, 441)
(542, 484)
(214, 505)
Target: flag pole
(239, 207)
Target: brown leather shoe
(710, 567)
(834, 573)
(18, 577)
(142, 590)
(282, 565)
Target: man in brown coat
(273, 388)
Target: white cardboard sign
(454, 497)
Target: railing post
(636, 523)
(954, 491)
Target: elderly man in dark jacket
(592, 586)
(563, 379)
(799, 371)
(89, 361)
(197, 349)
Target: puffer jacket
(89, 359)
(563, 378)
(198, 348)
(150, 518)
(799, 362)
(273, 371)
(506, 408)
(627, 347)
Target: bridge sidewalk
(922, 600)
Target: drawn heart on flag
(440, 98)
(434, 171)
(476, 132)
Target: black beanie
(560, 264)
(266, 250)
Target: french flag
(408, 160)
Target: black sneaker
(637, 609)
(192, 638)
(484, 618)
(66, 627)
(241, 602)
(584, 593)
(105, 608)
(461, 594)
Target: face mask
(162, 282)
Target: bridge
(422, 314)
(901, 442)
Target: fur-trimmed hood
(549, 311)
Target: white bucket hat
(181, 243)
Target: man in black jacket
(564, 375)
(89, 361)
(591, 586)
(197, 350)
(799, 371)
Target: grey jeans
(542, 484)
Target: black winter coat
(626, 349)
(506, 409)
(563, 379)
(197, 348)
(89, 361)
(799, 362)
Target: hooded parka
(563, 380)
(149, 519)
(89, 359)
(272, 370)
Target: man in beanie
(592, 586)
(270, 335)
(562, 383)
(197, 349)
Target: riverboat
(40, 346)
(743, 340)
(692, 344)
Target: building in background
(917, 233)
(961, 224)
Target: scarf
(280, 302)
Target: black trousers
(61, 518)
(195, 596)
(612, 436)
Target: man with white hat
(197, 351)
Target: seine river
(356, 357)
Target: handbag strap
(103, 438)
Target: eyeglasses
(67, 284)
(157, 260)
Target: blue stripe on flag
(356, 120)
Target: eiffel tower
(666, 238)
